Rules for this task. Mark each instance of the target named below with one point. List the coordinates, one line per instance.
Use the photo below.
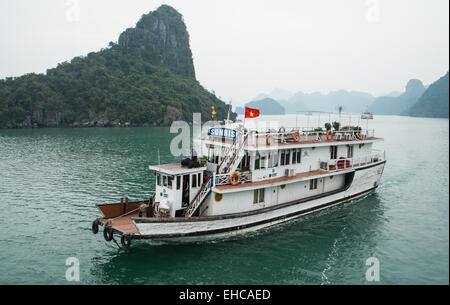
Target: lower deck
(122, 224)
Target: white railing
(348, 163)
(307, 134)
(224, 179)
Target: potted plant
(336, 126)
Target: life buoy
(329, 134)
(296, 135)
(269, 139)
(232, 180)
(358, 136)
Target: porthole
(218, 197)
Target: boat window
(258, 196)
(211, 153)
(313, 184)
(274, 159)
(178, 182)
(263, 162)
(199, 179)
(333, 152)
(299, 155)
(194, 180)
(164, 180)
(282, 158)
(350, 151)
(257, 161)
(158, 179)
(287, 157)
(296, 155)
(169, 181)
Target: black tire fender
(125, 240)
(108, 233)
(95, 226)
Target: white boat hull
(364, 181)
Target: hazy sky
(243, 48)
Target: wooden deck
(123, 224)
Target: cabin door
(186, 191)
(273, 195)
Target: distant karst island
(266, 106)
(146, 79)
(417, 100)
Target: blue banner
(222, 133)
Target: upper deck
(273, 140)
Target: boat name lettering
(222, 133)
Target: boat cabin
(177, 185)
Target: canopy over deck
(175, 169)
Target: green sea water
(51, 179)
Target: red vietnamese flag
(251, 113)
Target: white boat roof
(175, 168)
(261, 145)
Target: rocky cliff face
(161, 37)
(434, 102)
(391, 105)
(147, 79)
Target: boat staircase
(228, 164)
(232, 158)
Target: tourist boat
(248, 179)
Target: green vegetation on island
(434, 102)
(145, 79)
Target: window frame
(350, 151)
(313, 184)
(158, 179)
(194, 181)
(258, 196)
(170, 182)
(178, 182)
(333, 152)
